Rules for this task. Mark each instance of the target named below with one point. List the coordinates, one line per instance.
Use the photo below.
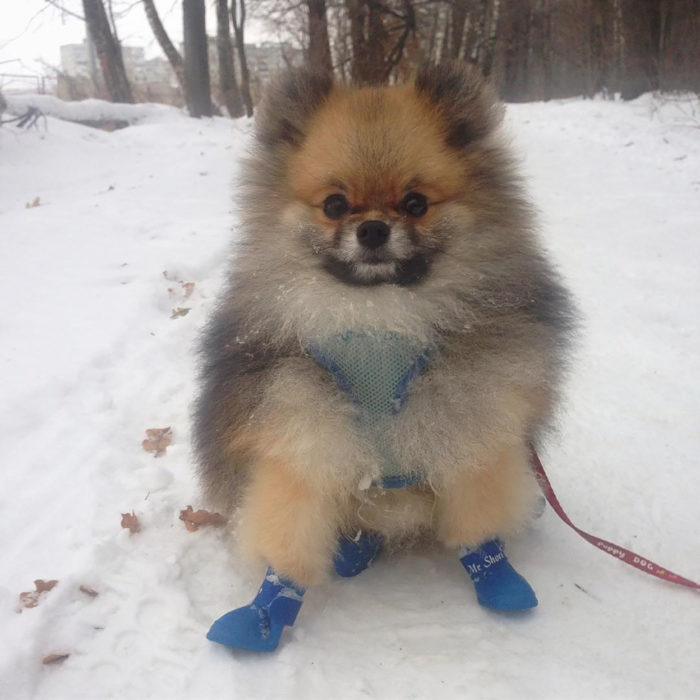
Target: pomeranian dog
(390, 341)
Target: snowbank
(93, 110)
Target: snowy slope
(91, 358)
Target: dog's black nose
(373, 234)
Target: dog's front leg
(477, 507)
(292, 524)
(289, 522)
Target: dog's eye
(335, 206)
(415, 204)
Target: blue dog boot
(258, 626)
(498, 585)
(355, 555)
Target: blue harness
(376, 371)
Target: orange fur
(289, 523)
(374, 145)
(399, 514)
(495, 499)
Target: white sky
(31, 31)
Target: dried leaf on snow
(42, 585)
(157, 440)
(30, 599)
(131, 522)
(180, 311)
(89, 591)
(54, 658)
(183, 292)
(194, 518)
(36, 202)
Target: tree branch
(58, 4)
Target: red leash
(625, 555)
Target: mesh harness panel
(376, 372)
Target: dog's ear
(290, 100)
(469, 106)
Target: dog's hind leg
(355, 554)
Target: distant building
(79, 61)
(133, 55)
(153, 79)
(151, 70)
(75, 60)
(267, 58)
(264, 59)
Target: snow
(91, 110)
(91, 358)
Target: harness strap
(400, 481)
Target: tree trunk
(460, 10)
(239, 31)
(376, 45)
(341, 36)
(319, 45)
(476, 54)
(108, 50)
(618, 45)
(369, 38)
(431, 48)
(547, 51)
(171, 53)
(198, 94)
(491, 34)
(445, 36)
(517, 34)
(395, 54)
(372, 27)
(357, 11)
(228, 84)
(641, 26)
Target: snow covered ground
(91, 358)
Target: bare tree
(238, 18)
(319, 54)
(642, 24)
(428, 24)
(490, 35)
(230, 92)
(680, 46)
(108, 50)
(340, 42)
(531, 49)
(172, 54)
(198, 95)
(379, 34)
(460, 11)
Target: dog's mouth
(374, 270)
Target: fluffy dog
(390, 340)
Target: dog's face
(372, 180)
(375, 178)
